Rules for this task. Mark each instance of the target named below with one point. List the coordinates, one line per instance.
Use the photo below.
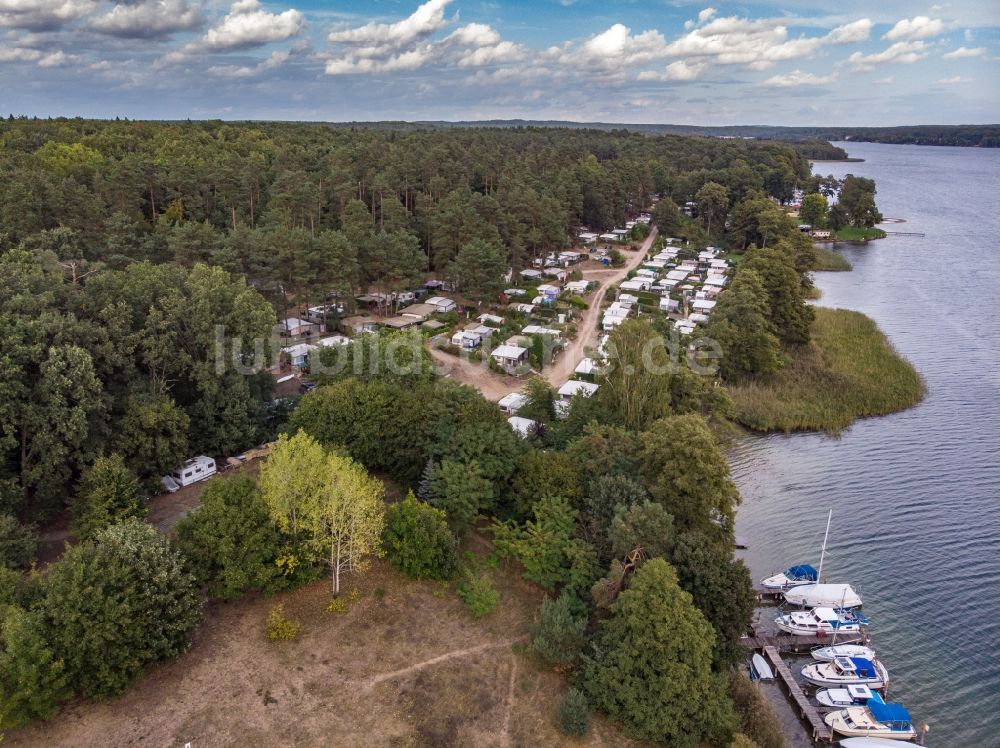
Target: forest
(126, 244)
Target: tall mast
(822, 555)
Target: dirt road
(495, 386)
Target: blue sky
(803, 63)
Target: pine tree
(425, 489)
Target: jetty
(771, 646)
(905, 233)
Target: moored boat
(843, 671)
(875, 743)
(853, 695)
(792, 577)
(875, 719)
(843, 650)
(759, 669)
(821, 621)
(823, 596)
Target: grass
(852, 234)
(849, 371)
(828, 260)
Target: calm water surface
(915, 496)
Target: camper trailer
(194, 470)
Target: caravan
(194, 470)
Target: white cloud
(18, 54)
(956, 79)
(887, 81)
(799, 78)
(856, 31)
(43, 14)
(275, 60)
(963, 52)
(675, 71)
(920, 27)
(247, 25)
(148, 19)
(384, 38)
(900, 52)
(57, 59)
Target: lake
(915, 495)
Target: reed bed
(850, 370)
(828, 260)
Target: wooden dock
(809, 713)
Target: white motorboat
(796, 575)
(875, 719)
(821, 621)
(843, 650)
(844, 697)
(759, 669)
(844, 671)
(875, 743)
(823, 596)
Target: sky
(648, 61)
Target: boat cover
(889, 714)
(802, 571)
(864, 667)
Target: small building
(531, 274)
(577, 387)
(358, 325)
(577, 287)
(715, 280)
(491, 319)
(333, 340)
(704, 306)
(669, 305)
(510, 404)
(636, 284)
(419, 311)
(433, 325)
(549, 291)
(586, 367)
(645, 272)
(558, 273)
(467, 340)
(570, 257)
(442, 303)
(697, 318)
(509, 357)
(587, 237)
(400, 323)
(317, 314)
(515, 291)
(684, 327)
(298, 355)
(295, 327)
(619, 234)
(678, 275)
(609, 237)
(820, 234)
(655, 264)
(539, 330)
(523, 427)
(522, 308)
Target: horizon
(681, 63)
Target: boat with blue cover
(876, 719)
(822, 621)
(792, 577)
(844, 671)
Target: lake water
(915, 496)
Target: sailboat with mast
(820, 595)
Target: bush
(109, 493)
(18, 543)
(578, 302)
(758, 719)
(232, 544)
(559, 634)
(117, 603)
(477, 591)
(418, 541)
(33, 680)
(574, 714)
(280, 628)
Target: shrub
(559, 634)
(109, 493)
(117, 603)
(280, 628)
(418, 541)
(574, 714)
(232, 544)
(758, 719)
(18, 543)
(33, 680)
(477, 591)
(578, 302)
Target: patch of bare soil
(404, 666)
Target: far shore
(849, 160)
